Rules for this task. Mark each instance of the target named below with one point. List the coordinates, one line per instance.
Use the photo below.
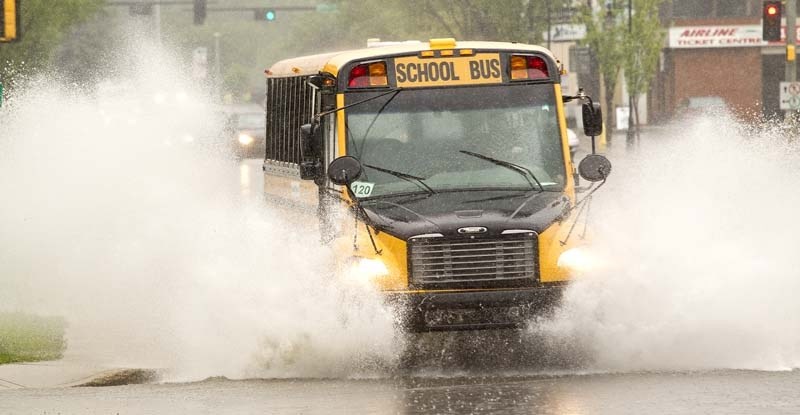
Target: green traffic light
(269, 15)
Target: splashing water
(699, 231)
(118, 215)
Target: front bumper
(474, 310)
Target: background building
(714, 52)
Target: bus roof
(331, 62)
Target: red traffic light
(771, 21)
(772, 10)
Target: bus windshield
(434, 135)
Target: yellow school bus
(452, 164)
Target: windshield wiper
(419, 181)
(524, 171)
(501, 197)
(375, 118)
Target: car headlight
(578, 260)
(246, 139)
(365, 270)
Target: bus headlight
(246, 139)
(578, 259)
(365, 270)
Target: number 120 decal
(362, 189)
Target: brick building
(714, 49)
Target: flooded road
(715, 392)
(251, 177)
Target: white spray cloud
(142, 239)
(699, 229)
(144, 243)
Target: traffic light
(264, 14)
(771, 21)
(200, 11)
(9, 20)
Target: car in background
(574, 142)
(244, 128)
(709, 106)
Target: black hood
(446, 212)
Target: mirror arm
(360, 211)
(580, 96)
(583, 206)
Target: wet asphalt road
(718, 392)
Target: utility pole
(629, 136)
(217, 69)
(549, 24)
(157, 19)
(791, 41)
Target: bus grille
(457, 261)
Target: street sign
(327, 8)
(565, 32)
(790, 96)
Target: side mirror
(344, 170)
(594, 167)
(310, 140)
(592, 119)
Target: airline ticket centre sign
(413, 72)
(724, 36)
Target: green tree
(642, 48)
(606, 33)
(248, 46)
(90, 48)
(246, 43)
(502, 20)
(505, 20)
(44, 23)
